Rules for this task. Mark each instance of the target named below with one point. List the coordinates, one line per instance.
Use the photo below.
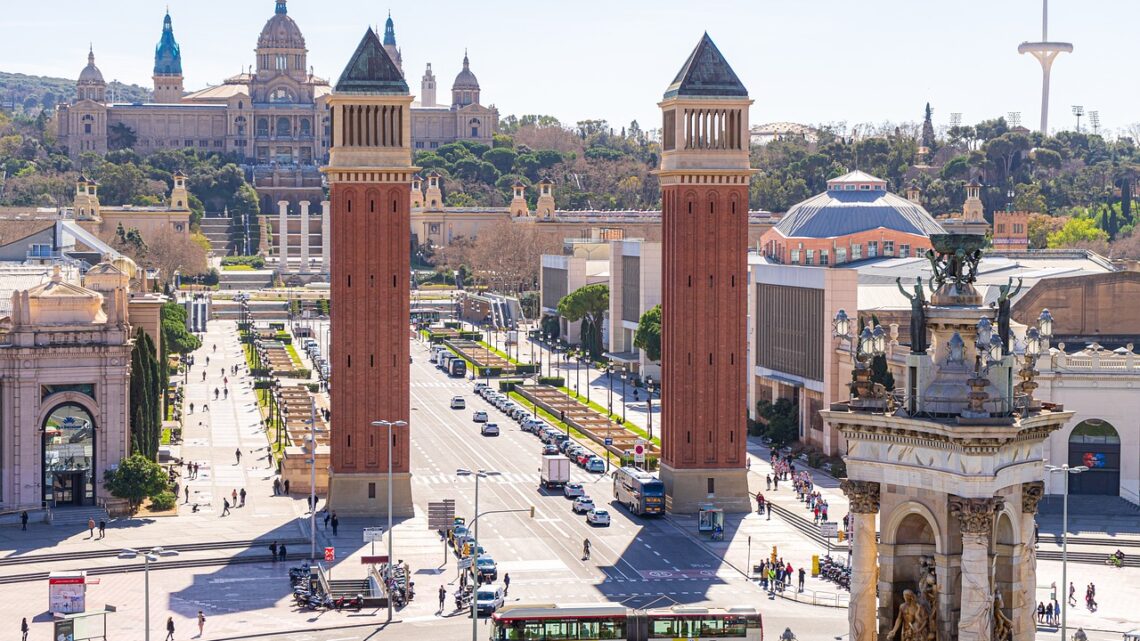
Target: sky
(807, 61)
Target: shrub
(163, 501)
(553, 381)
(255, 262)
(508, 386)
(136, 478)
(313, 387)
(453, 325)
(783, 421)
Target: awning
(624, 357)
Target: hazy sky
(810, 61)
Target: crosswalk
(439, 383)
(452, 479)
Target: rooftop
(853, 203)
(371, 70)
(706, 74)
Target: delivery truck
(555, 471)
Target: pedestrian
(776, 482)
(90, 528)
(196, 466)
(506, 584)
(225, 393)
(207, 364)
(187, 491)
(1072, 594)
(335, 523)
(768, 481)
(276, 486)
(205, 408)
(801, 579)
(1056, 610)
(24, 629)
(191, 408)
(215, 349)
(169, 628)
(1047, 610)
(273, 550)
(328, 515)
(771, 580)
(586, 550)
(24, 520)
(242, 494)
(102, 528)
(442, 597)
(204, 376)
(281, 554)
(285, 484)
(237, 455)
(768, 504)
(233, 495)
(201, 622)
(1036, 533)
(225, 507)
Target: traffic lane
(632, 551)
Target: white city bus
(595, 622)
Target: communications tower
(1045, 52)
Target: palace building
(273, 114)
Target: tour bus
(593, 622)
(457, 368)
(639, 491)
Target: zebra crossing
(452, 479)
(439, 383)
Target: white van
(488, 599)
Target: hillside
(22, 93)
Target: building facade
(635, 288)
(370, 174)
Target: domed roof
(281, 32)
(853, 203)
(91, 73)
(465, 79)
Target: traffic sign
(639, 451)
(330, 554)
(441, 514)
(828, 529)
(464, 563)
(609, 441)
(373, 534)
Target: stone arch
(901, 512)
(1003, 546)
(67, 478)
(911, 535)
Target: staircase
(349, 588)
(78, 515)
(217, 231)
(246, 279)
(258, 309)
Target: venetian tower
(952, 465)
(370, 175)
(704, 178)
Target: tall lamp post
(148, 556)
(649, 404)
(584, 359)
(1065, 471)
(388, 434)
(610, 380)
(481, 474)
(624, 375)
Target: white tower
(1045, 52)
(427, 88)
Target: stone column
(1024, 623)
(326, 237)
(976, 522)
(282, 236)
(304, 237)
(863, 497)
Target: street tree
(588, 304)
(136, 478)
(648, 335)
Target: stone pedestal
(367, 494)
(976, 522)
(304, 236)
(864, 501)
(688, 489)
(282, 236)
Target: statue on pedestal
(928, 596)
(918, 338)
(1004, 296)
(911, 620)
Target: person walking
(768, 482)
(285, 484)
(187, 492)
(234, 496)
(205, 408)
(768, 504)
(328, 515)
(506, 584)
(225, 507)
(201, 623)
(169, 628)
(1072, 594)
(24, 520)
(24, 629)
(1047, 610)
(90, 528)
(281, 553)
(242, 495)
(102, 528)
(216, 393)
(335, 523)
(442, 598)
(273, 550)
(191, 408)
(237, 455)
(276, 487)
(801, 579)
(586, 550)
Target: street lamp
(388, 435)
(148, 556)
(649, 404)
(1065, 471)
(584, 359)
(624, 375)
(610, 380)
(481, 474)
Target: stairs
(78, 515)
(258, 309)
(349, 588)
(217, 231)
(255, 279)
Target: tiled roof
(841, 213)
(371, 70)
(706, 73)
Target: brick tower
(370, 174)
(704, 178)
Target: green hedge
(531, 368)
(314, 387)
(552, 381)
(650, 461)
(508, 386)
(284, 337)
(471, 336)
(490, 371)
(453, 324)
(263, 384)
(163, 501)
(277, 326)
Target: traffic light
(841, 535)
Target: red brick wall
(776, 245)
(704, 316)
(1011, 230)
(370, 319)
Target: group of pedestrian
(1049, 613)
(331, 519)
(191, 470)
(277, 551)
(280, 487)
(91, 528)
(1090, 597)
(763, 505)
(775, 575)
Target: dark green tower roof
(167, 55)
(371, 70)
(706, 73)
(389, 31)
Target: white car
(458, 403)
(488, 599)
(598, 517)
(573, 489)
(479, 416)
(490, 429)
(583, 504)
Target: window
(371, 490)
(40, 250)
(1001, 228)
(904, 251)
(188, 143)
(284, 127)
(282, 62)
(840, 255)
(856, 251)
(262, 126)
(864, 188)
(823, 257)
(434, 145)
(474, 132)
(872, 248)
(795, 256)
(419, 144)
(810, 260)
(306, 128)
(1018, 228)
(712, 485)
(888, 248)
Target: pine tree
(928, 128)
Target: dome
(281, 32)
(466, 79)
(853, 203)
(91, 73)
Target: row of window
(809, 255)
(1018, 228)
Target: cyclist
(586, 550)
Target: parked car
(584, 458)
(479, 416)
(490, 429)
(549, 449)
(565, 445)
(488, 599)
(582, 504)
(480, 388)
(596, 464)
(488, 569)
(598, 517)
(458, 403)
(571, 490)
